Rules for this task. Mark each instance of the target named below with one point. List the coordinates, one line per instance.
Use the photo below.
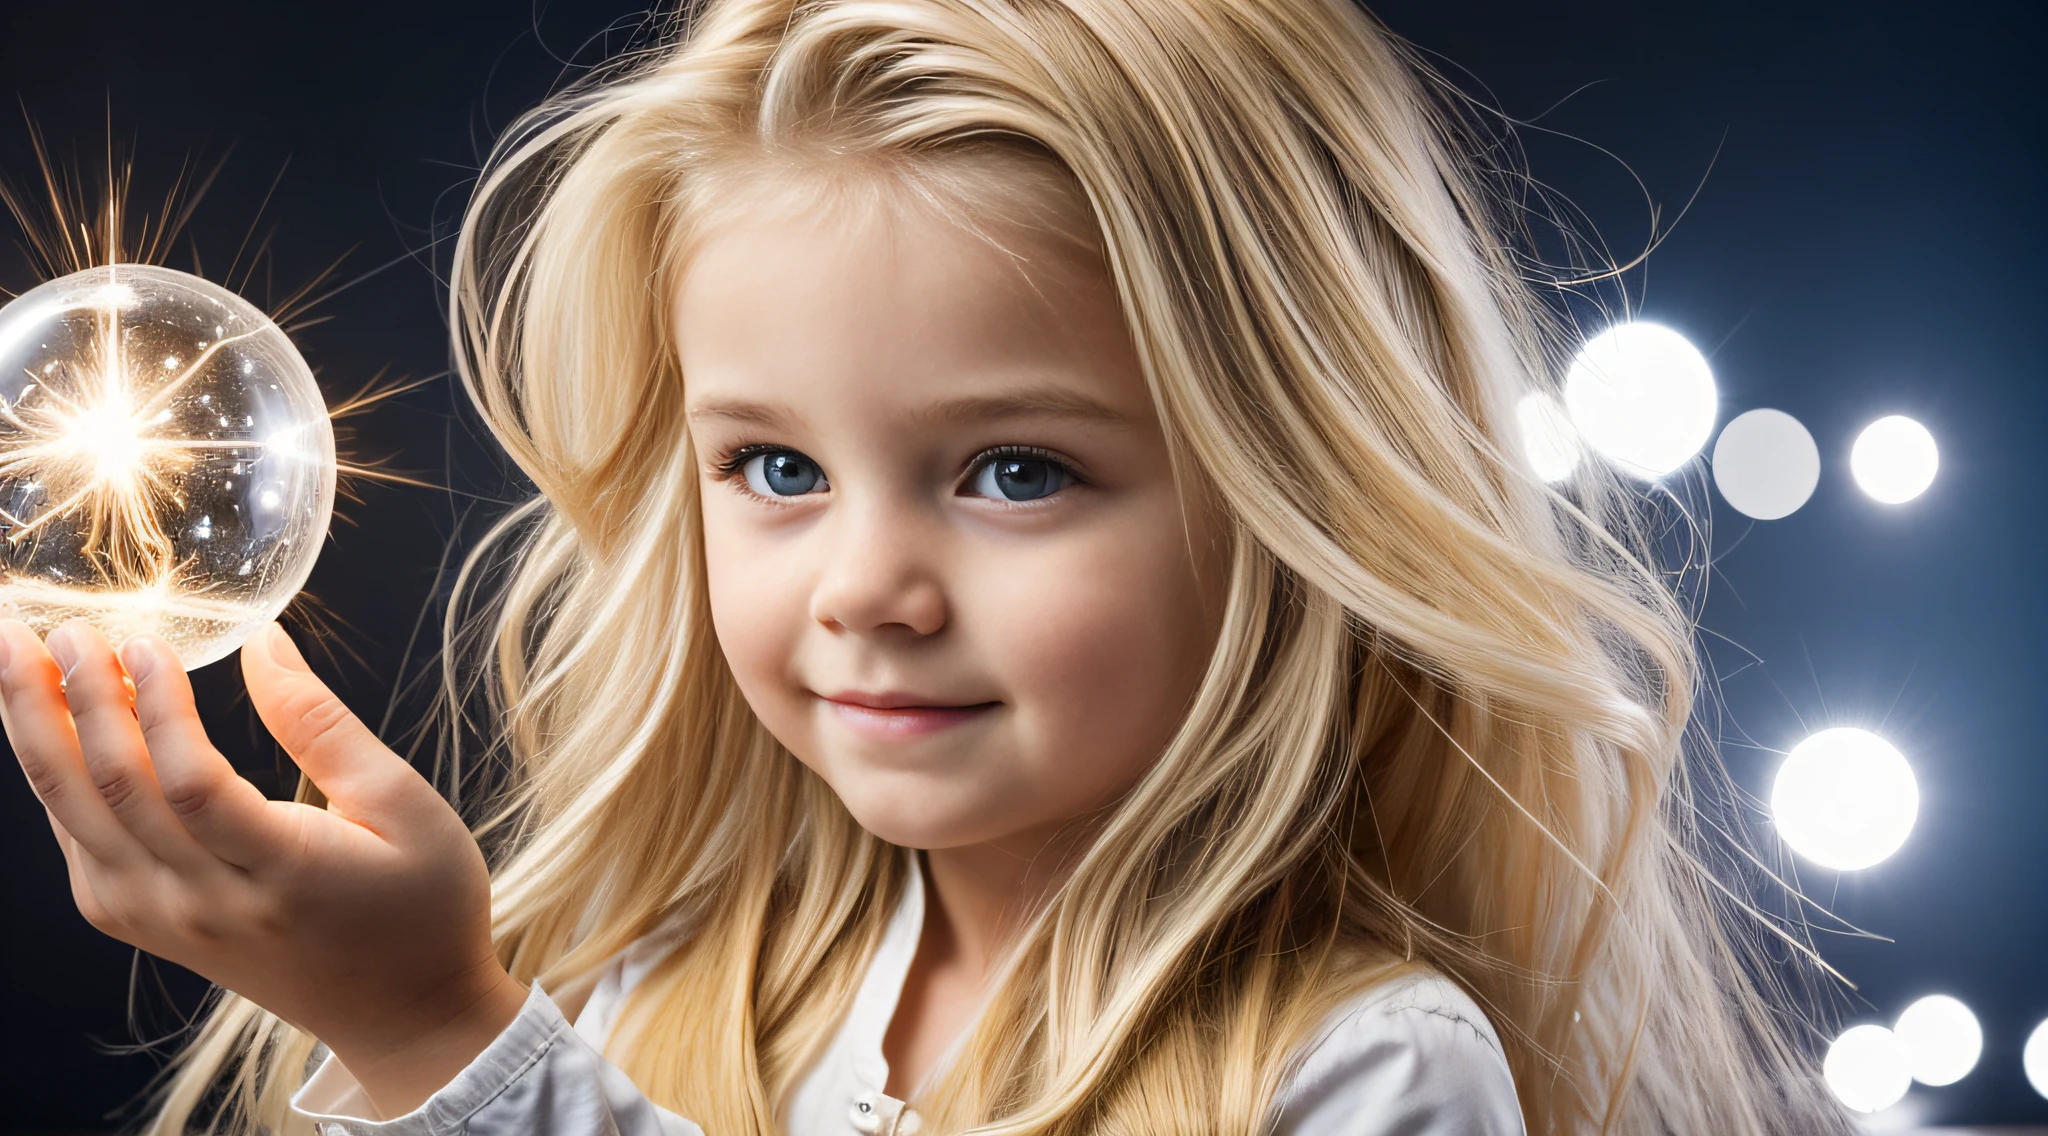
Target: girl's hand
(366, 923)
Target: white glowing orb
(139, 486)
(1766, 464)
(1642, 395)
(1548, 440)
(1868, 1068)
(2035, 1059)
(1942, 1037)
(1894, 459)
(1845, 799)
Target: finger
(227, 815)
(111, 742)
(66, 843)
(38, 724)
(329, 743)
(78, 869)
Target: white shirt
(1412, 1056)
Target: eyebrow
(1036, 402)
(743, 411)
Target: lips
(898, 716)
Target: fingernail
(283, 651)
(139, 658)
(62, 650)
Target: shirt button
(878, 1114)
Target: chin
(923, 819)
(924, 833)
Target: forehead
(809, 298)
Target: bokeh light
(2035, 1059)
(1548, 440)
(1894, 459)
(166, 460)
(1643, 396)
(1868, 1068)
(1942, 1037)
(1845, 799)
(1766, 464)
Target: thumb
(328, 742)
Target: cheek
(757, 609)
(1101, 653)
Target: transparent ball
(166, 460)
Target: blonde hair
(1444, 722)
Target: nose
(880, 575)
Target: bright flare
(1642, 395)
(138, 485)
(1845, 799)
(1548, 440)
(1766, 464)
(2035, 1059)
(1894, 459)
(1942, 1037)
(1868, 1068)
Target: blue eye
(1020, 478)
(782, 473)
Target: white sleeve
(537, 1078)
(1414, 1057)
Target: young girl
(1034, 621)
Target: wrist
(400, 1070)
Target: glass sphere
(166, 461)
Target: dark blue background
(1869, 241)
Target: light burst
(166, 462)
(101, 455)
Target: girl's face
(948, 561)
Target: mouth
(895, 715)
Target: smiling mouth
(889, 717)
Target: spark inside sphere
(166, 461)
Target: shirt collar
(874, 1006)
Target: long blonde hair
(1444, 723)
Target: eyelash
(734, 460)
(1015, 453)
(729, 465)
